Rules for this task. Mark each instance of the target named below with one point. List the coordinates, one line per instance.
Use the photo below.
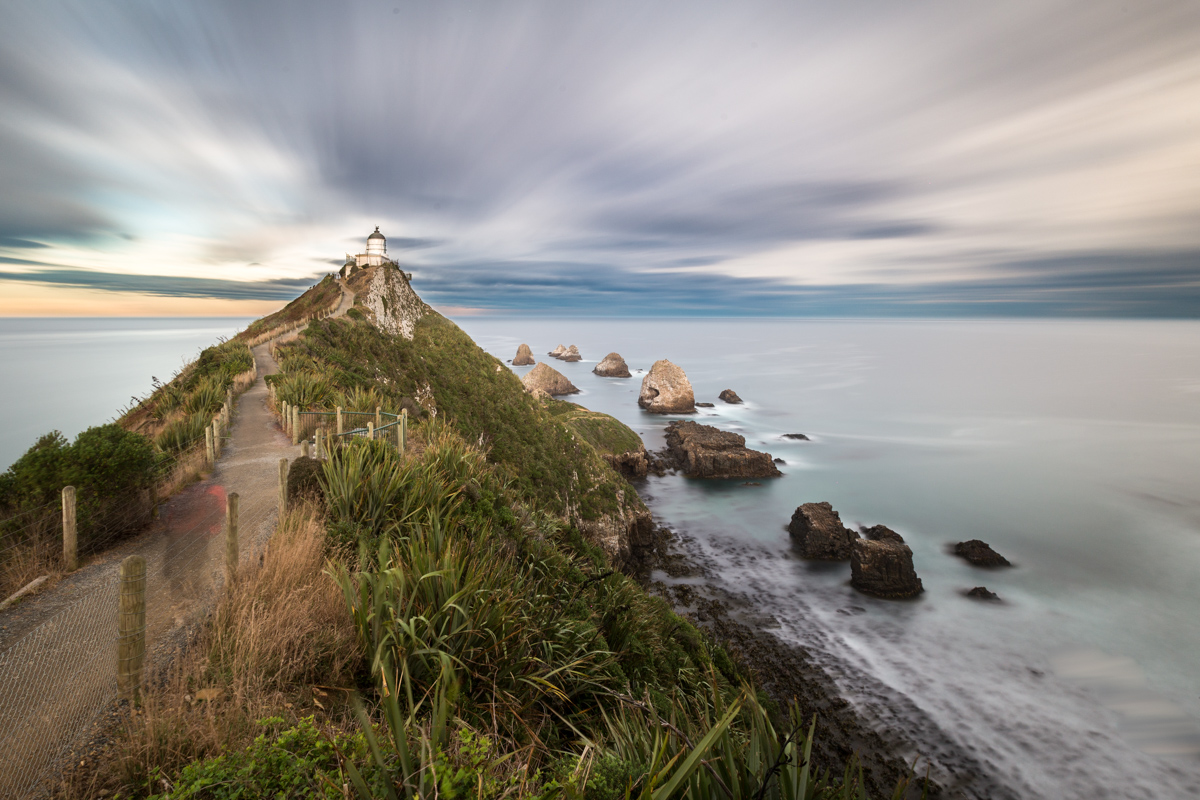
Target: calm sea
(1073, 448)
(71, 374)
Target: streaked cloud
(862, 158)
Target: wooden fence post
(208, 447)
(319, 449)
(285, 416)
(340, 429)
(131, 627)
(70, 540)
(283, 472)
(295, 425)
(231, 538)
(304, 449)
(378, 416)
(370, 430)
(403, 430)
(216, 429)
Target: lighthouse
(376, 251)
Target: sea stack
(571, 354)
(730, 396)
(547, 379)
(882, 565)
(613, 366)
(524, 356)
(558, 351)
(818, 532)
(666, 390)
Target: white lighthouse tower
(376, 251)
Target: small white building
(376, 251)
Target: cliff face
(390, 302)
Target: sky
(608, 158)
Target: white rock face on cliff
(666, 390)
(392, 303)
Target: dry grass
(278, 645)
(40, 554)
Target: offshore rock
(729, 396)
(547, 379)
(524, 356)
(666, 390)
(818, 532)
(571, 354)
(800, 437)
(883, 566)
(702, 451)
(980, 554)
(612, 366)
(558, 351)
(982, 593)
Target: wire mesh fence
(59, 677)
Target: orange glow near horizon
(19, 299)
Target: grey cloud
(166, 286)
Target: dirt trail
(58, 649)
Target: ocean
(69, 374)
(1073, 448)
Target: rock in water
(613, 366)
(571, 354)
(524, 356)
(980, 554)
(548, 379)
(558, 351)
(982, 593)
(818, 532)
(883, 566)
(705, 405)
(666, 390)
(702, 451)
(800, 437)
(729, 396)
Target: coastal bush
(304, 389)
(183, 433)
(322, 297)
(207, 397)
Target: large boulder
(818, 532)
(702, 451)
(883, 566)
(524, 356)
(571, 354)
(666, 390)
(730, 396)
(980, 554)
(612, 366)
(558, 351)
(548, 380)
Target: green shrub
(183, 433)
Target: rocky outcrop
(558, 351)
(883, 566)
(666, 390)
(612, 366)
(571, 354)
(702, 451)
(622, 534)
(729, 396)
(980, 554)
(548, 380)
(632, 465)
(982, 593)
(524, 356)
(818, 533)
(392, 304)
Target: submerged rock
(797, 436)
(571, 354)
(612, 366)
(524, 356)
(818, 532)
(729, 396)
(982, 593)
(883, 566)
(980, 554)
(705, 405)
(666, 390)
(547, 379)
(702, 451)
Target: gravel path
(58, 648)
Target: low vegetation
(318, 300)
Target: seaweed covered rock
(666, 390)
(548, 379)
(524, 356)
(702, 451)
(883, 566)
(304, 479)
(612, 366)
(979, 554)
(818, 533)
